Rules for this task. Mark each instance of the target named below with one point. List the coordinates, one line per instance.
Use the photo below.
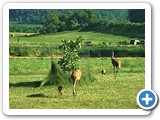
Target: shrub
(70, 59)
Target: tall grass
(37, 50)
(57, 76)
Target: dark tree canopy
(137, 15)
(38, 16)
(57, 20)
(51, 23)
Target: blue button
(147, 99)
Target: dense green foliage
(70, 60)
(28, 16)
(87, 20)
(38, 16)
(25, 28)
(136, 15)
(103, 50)
(119, 28)
(70, 21)
(114, 21)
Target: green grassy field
(42, 45)
(97, 91)
(56, 38)
(102, 93)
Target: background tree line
(51, 21)
(38, 16)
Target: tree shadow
(119, 33)
(25, 84)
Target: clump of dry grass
(56, 76)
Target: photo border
(8, 6)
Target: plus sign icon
(147, 99)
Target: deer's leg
(114, 72)
(74, 87)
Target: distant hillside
(38, 16)
(113, 21)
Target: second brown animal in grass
(60, 90)
(103, 71)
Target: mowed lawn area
(56, 38)
(103, 92)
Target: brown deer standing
(76, 75)
(116, 64)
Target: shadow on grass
(26, 84)
(119, 33)
(37, 95)
(41, 95)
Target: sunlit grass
(56, 38)
(104, 92)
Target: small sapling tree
(70, 60)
